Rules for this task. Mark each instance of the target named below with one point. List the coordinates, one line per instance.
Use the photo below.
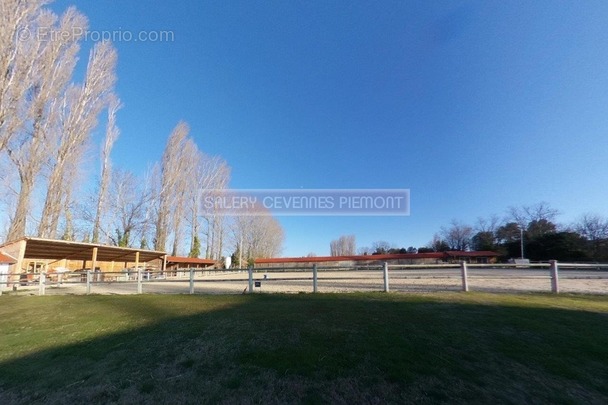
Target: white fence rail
(553, 276)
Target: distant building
(349, 261)
(376, 260)
(477, 257)
(179, 262)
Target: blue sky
(474, 106)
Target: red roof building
(6, 259)
(179, 262)
(361, 260)
(401, 258)
(480, 257)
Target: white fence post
(250, 270)
(385, 269)
(41, 283)
(191, 281)
(88, 281)
(553, 268)
(314, 278)
(465, 279)
(4, 278)
(139, 285)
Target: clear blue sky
(474, 106)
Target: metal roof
(51, 249)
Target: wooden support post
(137, 260)
(18, 267)
(94, 259)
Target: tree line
(346, 245)
(47, 121)
(529, 231)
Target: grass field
(304, 348)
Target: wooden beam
(94, 259)
(20, 256)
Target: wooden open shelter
(49, 252)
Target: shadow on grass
(364, 348)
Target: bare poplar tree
(18, 50)
(52, 63)
(7, 179)
(215, 174)
(343, 246)
(80, 108)
(186, 175)
(218, 232)
(212, 174)
(214, 232)
(169, 173)
(70, 230)
(128, 208)
(257, 235)
(112, 133)
(185, 183)
(148, 222)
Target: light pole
(521, 240)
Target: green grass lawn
(325, 348)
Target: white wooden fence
(385, 277)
